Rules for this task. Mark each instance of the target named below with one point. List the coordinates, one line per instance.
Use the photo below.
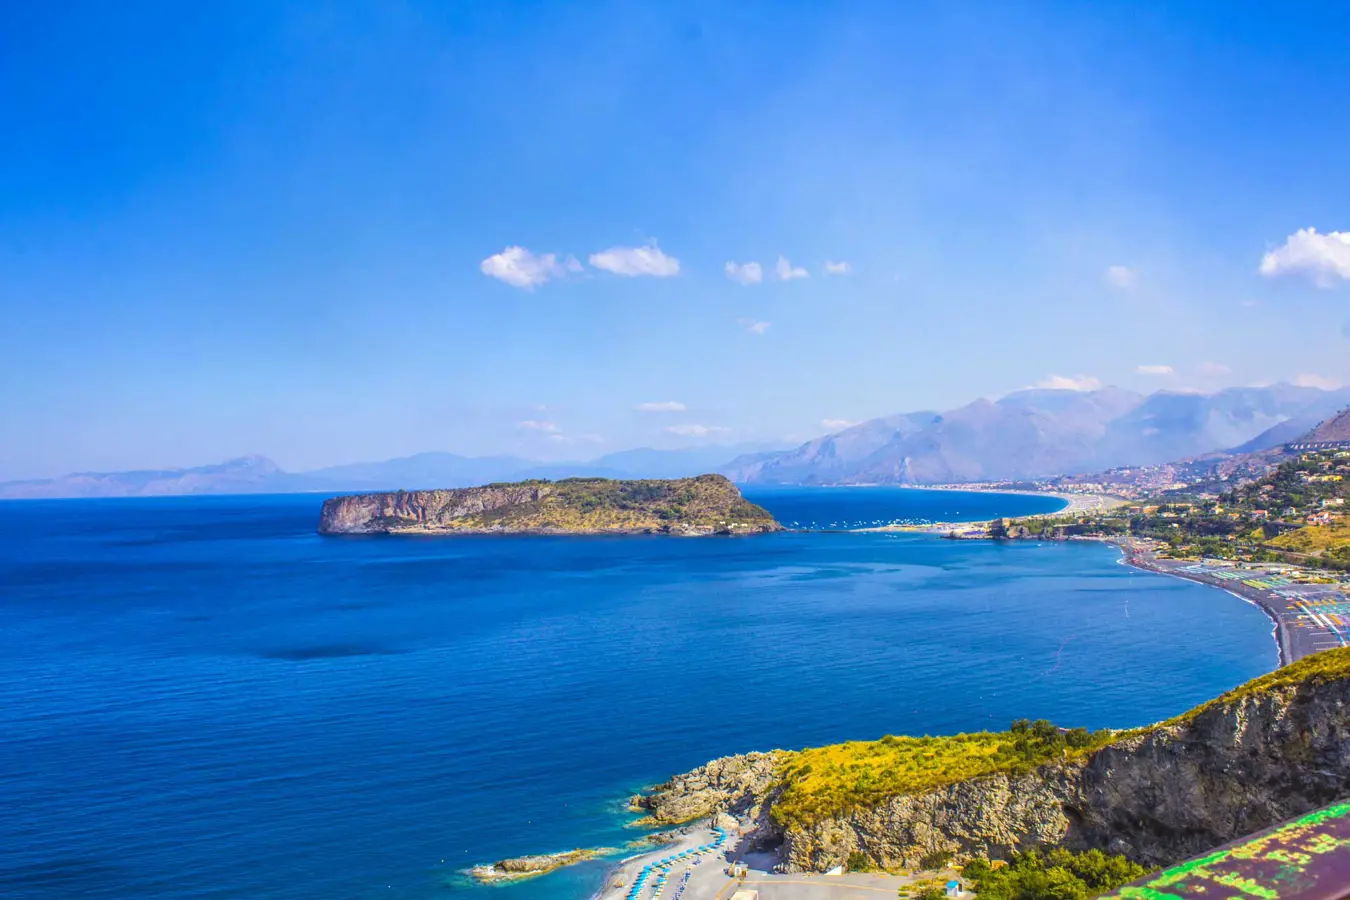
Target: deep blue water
(203, 698)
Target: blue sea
(202, 698)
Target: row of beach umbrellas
(662, 866)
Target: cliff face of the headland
(708, 504)
(1273, 749)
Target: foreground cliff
(708, 504)
(1272, 749)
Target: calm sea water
(201, 698)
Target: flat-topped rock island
(705, 505)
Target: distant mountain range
(260, 475)
(1029, 434)
(1041, 433)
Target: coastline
(1276, 608)
(1078, 504)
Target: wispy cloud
(1213, 369)
(1317, 381)
(837, 424)
(692, 429)
(754, 326)
(577, 438)
(837, 268)
(1122, 278)
(1323, 258)
(521, 268)
(1069, 383)
(537, 425)
(662, 406)
(634, 261)
(1155, 370)
(745, 273)
(786, 271)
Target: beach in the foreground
(719, 874)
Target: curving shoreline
(1290, 645)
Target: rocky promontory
(1272, 749)
(707, 504)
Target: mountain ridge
(1035, 434)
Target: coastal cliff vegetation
(821, 783)
(1264, 752)
(707, 504)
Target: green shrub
(1056, 875)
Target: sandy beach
(712, 877)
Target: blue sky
(274, 227)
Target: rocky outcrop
(733, 784)
(422, 510)
(1239, 764)
(708, 504)
(529, 866)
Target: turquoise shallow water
(203, 698)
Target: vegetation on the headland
(1331, 542)
(1319, 668)
(825, 782)
(708, 501)
(1053, 875)
(704, 504)
(822, 783)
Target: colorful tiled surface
(1306, 859)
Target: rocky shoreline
(1158, 795)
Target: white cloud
(536, 425)
(694, 430)
(1121, 277)
(1249, 303)
(745, 273)
(1324, 258)
(523, 269)
(1345, 330)
(578, 438)
(1214, 369)
(1155, 370)
(837, 268)
(1068, 383)
(837, 424)
(787, 271)
(1317, 381)
(662, 406)
(755, 326)
(634, 261)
